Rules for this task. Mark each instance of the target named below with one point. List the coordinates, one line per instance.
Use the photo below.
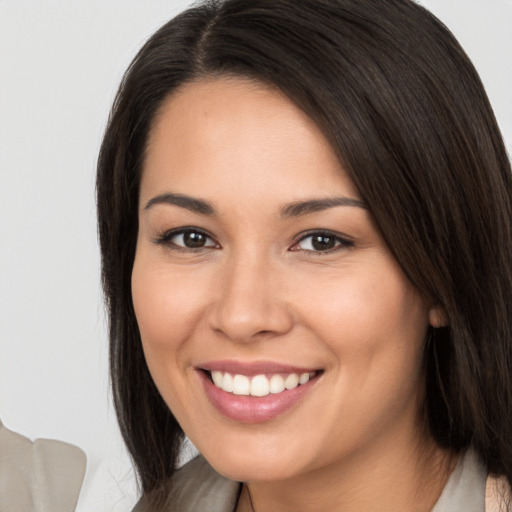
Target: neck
(405, 478)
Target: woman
(304, 214)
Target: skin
(259, 291)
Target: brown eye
(194, 239)
(321, 242)
(187, 239)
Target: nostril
(263, 333)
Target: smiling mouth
(259, 385)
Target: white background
(60, 64)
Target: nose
(250, 304)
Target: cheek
(168, 307)
(374, 330)
(374, 324)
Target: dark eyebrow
(316, 205)
(190, 203)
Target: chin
(249, 471)
(252, 465)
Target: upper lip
(251, 368)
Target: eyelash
(341, 242)
(166, 239)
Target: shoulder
(47, 471)
(197, 486)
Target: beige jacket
(39, 476)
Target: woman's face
(259, 266)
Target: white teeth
(259, 385)
(227, 383)
(241, 385)
(217, 378)
(292, 381)
(304, 377)
(277, 384)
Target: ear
(437, 317)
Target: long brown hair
(406, 112)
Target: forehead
(238, 135)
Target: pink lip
(250, 409)
(253, 368)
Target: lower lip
(251, 409)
